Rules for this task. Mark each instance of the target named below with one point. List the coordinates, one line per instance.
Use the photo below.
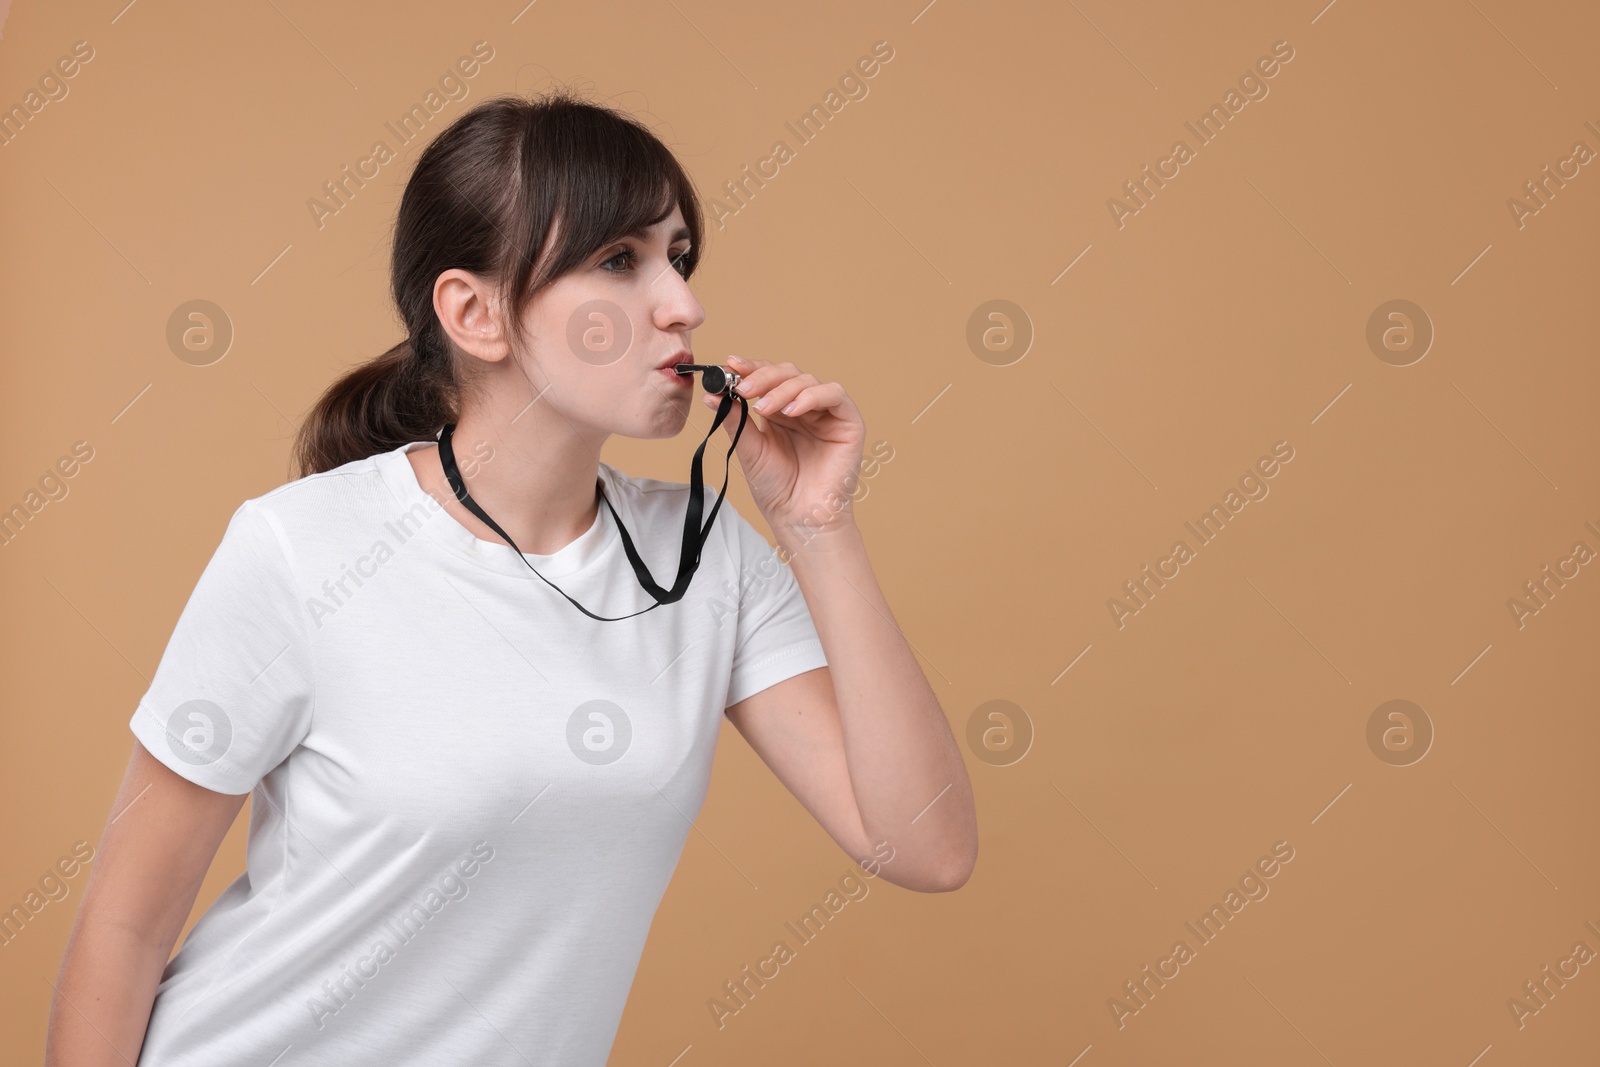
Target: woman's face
(598, 336)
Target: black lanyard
(694, 536)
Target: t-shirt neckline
(587, 550)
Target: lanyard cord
(694, 536)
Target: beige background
(1228, 314)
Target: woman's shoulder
(639, 484)
(333, 504)
(664, 503)
(657, 497)
(313, 489)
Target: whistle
(715, 379)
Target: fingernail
(736, 359)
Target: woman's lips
(686, 379)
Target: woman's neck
(540, 494)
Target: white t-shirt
(468, 797)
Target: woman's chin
(666, 421)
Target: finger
(741, 365)
(781, 393)
(765, 381)
(822, 397)
(764, 378)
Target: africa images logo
(599, 732)
(199, 732)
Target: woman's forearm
(909, 780)
(103, 997)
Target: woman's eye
(629, 259)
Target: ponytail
(377, 407)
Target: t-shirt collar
(417, 505)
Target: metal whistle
(715, 379)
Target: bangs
(595, 181)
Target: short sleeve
(776, 638)
(233, 693)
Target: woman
(475, 749)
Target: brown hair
(484, 197)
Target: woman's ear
(468, 309)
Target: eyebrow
(642, 232)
